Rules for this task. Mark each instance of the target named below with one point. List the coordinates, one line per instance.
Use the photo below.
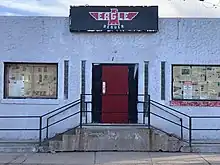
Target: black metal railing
(61, 119)
(88, 102)
(189, 127)
(185, 121)
(144, 111)
(179, 115)
(40, 118)
(22, 129)
(192, 118)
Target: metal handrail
(76, 103)
(167, 119)
(169, 108)
(182, 126)
(57, 109)
(166, 111)
(150, 102)
(62, 119)
(39, 117)
(149, 113)
(204, 129)
(205, 117)
(67, 117)
(18, 117)
(19, 129)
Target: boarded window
(27, 80)
(196, 82)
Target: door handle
(103, 87)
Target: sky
(167, 8)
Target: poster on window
(204, 94)
(16, 88)
(187, 90)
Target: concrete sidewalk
(110, 158)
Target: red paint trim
(195, 103)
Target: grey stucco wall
(47, 39)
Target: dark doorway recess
(114, 93)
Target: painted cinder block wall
(47, 39)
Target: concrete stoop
(113, 139)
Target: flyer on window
(187, 90)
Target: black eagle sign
(114, 19)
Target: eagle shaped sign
(113, 18)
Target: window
(28, 80)
(196, 82)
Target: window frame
(172, 79)
(29, 63)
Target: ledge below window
(195, 103)
(31, 101)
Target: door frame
(132, 96)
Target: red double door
(114, 94)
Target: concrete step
(55, 145)
(115, 139)
(112, 126)
(59, 136)
(206, 146)
(18, 146)
(68, 143)
(203, 146)
(18, 149)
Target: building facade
(36, 53)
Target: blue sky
(167, 8)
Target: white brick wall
(47, 39)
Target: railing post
(86, 106)
(181, 131)
(144, 111)
(81, 110)
(40, 131)
(148, 111)
(190, 134)
(47, 132)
